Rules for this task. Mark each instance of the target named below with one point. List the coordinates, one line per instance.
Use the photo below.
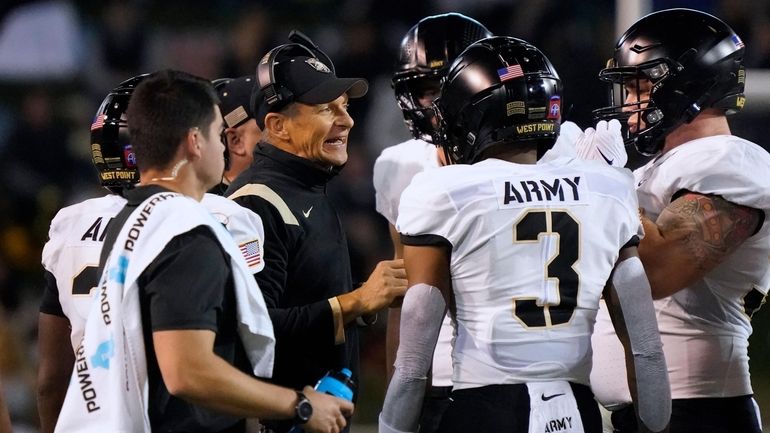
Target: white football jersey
(705, 327)
(77, 234)
(532, 249)
(393, 171)
(397, 165)
(72, 252)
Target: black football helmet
(111, 150)
(425, 54)
(692, 60)
(500, 90)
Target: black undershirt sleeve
(426, 240)
(50, 303)
(633, 242)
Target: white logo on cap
(318, 65)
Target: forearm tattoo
(709, 226)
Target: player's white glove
(565, 144)
(569, 133)
(604, 143)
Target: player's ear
(192, 142)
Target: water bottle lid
(338, 384)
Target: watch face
(304, 410)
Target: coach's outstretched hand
(386, 283)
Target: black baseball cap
(235, 99)
(310, 81)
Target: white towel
(108, 391)
(553, 408)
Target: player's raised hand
(569, 133)
(603, 143)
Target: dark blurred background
(59, 58)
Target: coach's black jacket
(306, 264)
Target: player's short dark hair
(162, 110)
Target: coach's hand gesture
(386, 283)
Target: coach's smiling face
(317, 132)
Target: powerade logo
(84, 380)
(104, 352)
(118, 273)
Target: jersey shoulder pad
(394, 170)
(428, 205)
(729, 166)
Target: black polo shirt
(188, 286)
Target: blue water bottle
(339, 384)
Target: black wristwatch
(303, 410)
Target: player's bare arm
(692, 235)
(53, 374)
(5, 418)
(395, 238)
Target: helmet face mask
(500, 91)
(111, 151)
(689, 60)
(415, 99)
(631, 88)
(425, 54)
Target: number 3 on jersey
(559, 267)
(85, 281)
